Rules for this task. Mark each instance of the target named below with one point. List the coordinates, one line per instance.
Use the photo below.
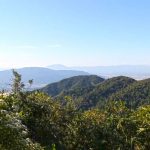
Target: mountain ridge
(72, 83)
(116, 88)
(41, 76)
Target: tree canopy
(34, 120)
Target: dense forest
(93, 91)
(79, 113)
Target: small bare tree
(17, 85)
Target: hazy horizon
(67, 66)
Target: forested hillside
(102, 92)
(87, 94)
(135, 94)
(73, 83)
(36, 121)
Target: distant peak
(58, 67)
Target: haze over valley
(138, 72)
(54, 73)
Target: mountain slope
(111, 86)
(101, 92)
(135, 94)
(89, 90)
(41, 76)
(73, 83)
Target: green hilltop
(94, 91)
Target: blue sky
(74, 32)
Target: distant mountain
(135, 71)
(73, 83)
(1, 69)
(41, 76)
(58, 67)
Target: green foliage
(35, 121)
(56, 126)
(53, 147)
(135, 94)
(13, 133)
(73, 83)
(99, 94)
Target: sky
(74, 32)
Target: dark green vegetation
(87, 95)
(35, 121)
(74, 83)
(135, 94)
